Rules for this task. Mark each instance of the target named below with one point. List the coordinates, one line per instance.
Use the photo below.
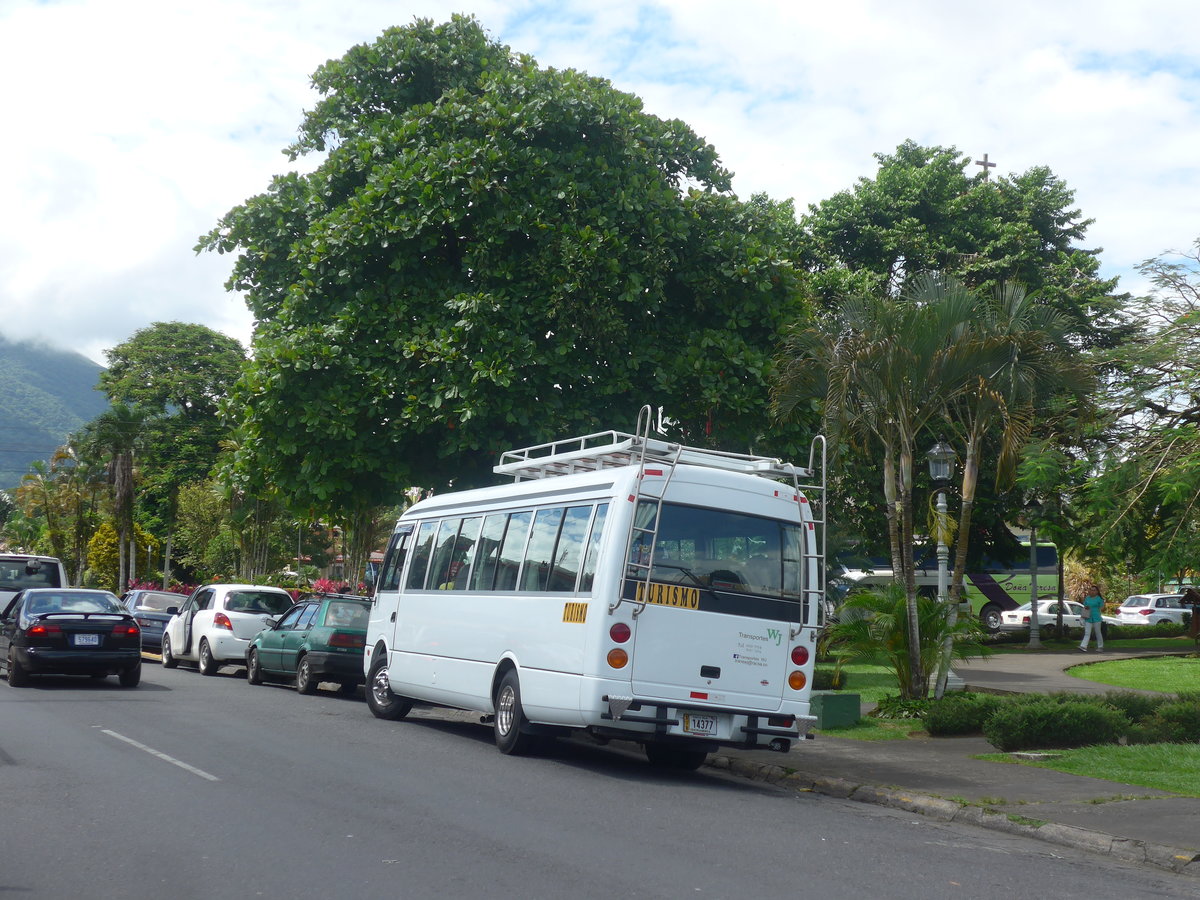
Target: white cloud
(133, 125)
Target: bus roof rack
(613, 449)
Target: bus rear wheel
(380, 699)
(989, 617)
(509, 721)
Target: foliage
(901, 708)
(103, 556)
(492, 254)
(1163, 673)
(829, 678)
(1177, 722)
(1048, 722)
(60, 503)
(964, 713)
(874, 625)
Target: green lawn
(1170, 674)
(1166, 767)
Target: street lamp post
(941, 458)
(1032, 510)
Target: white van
(622, 585)
(21, 570)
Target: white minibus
(622, 586)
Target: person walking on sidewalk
(1092, 621)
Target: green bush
(827, 678)
(900, 708)
(1136, 707)
(1066, 720)
(961, 714)
(1177, 722)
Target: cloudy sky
(132, 125)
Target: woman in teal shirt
(1092, 621)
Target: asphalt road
(192, 787)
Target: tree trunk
(970, 480)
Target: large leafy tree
(1142, 506)
(177, 374)
(925, 212)
(492, 254)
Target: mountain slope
(45, 394)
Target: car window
(155, 601)
(306, 618)
(268, 602)
(346, 614)
(204, 599)
(289, 621)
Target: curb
(1174, 859)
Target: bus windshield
(720, 550)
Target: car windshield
(42, 602)
(1134, 602)
(156, 601)
(270, 603)
(21, 573)
(346, 614)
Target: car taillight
(1025, 621)
(220, 620)
(620, 633)
(799, 655)
(126, 628)
(42, 629)
(1144, 612)
(342, 639)
(618, 658)
(797, 680)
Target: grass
(871, 729)
(1166, 645)
(1165, 767)
(1163, 673)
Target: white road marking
(172, 760)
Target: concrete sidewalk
(939, 777)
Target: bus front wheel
(989, 617)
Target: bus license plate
(87, 640)
(706, 726)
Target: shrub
(961, 714)
(1177, 722)
(900, 708)
(1136, 707)
(1067, 720)
(828, 679)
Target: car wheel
(168, 659)
(664, 756)
(510, 719)
(989, 617)
(132, 676)
(1163, 622)
(17, 676)
(208, 665)
(380, 699)
(306, 682)
(254, 673)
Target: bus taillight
(797, 680)
(799, 654)
(620, 633)
(618, 658)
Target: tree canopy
(493, 254)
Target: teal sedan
(319, 639)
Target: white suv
(1151, 609)
(19, 571)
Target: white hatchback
(215, 625)
(1151, 609)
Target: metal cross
(986, 165)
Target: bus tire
(664, 756)
(510, 717)
(380, 700)
(989, 617)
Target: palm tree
(115, 435)
(884, 369)
(1015, 355)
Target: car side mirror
(172, 610)
(272, 623)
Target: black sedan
(152, 609)
(69, 632)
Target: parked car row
(1073, 615)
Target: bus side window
(512, 550)
(535, 574)
(588, 576)
(488, 556)
(569, 551)
(393, 562)
(465, 553)
(445, 563)
(421, 553)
